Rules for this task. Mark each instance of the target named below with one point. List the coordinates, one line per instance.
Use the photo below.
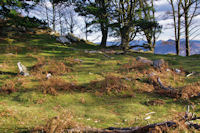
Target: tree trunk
(104, 31)
(187, 33)
(54, 17)
(125, 38)
(177, 47)
(179, 29)
(60, 18)
(47, 15)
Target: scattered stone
(78, 60)
(144, 60)
(151, 74)
(107, 56)
(22, 69)
(178, 71)
(53, 33)
(63, 39)
(158, 63)
(93, 52)
(128, 79)
(150, 113)
(10, 54)
(147, 118)
(90, 73)
(48, 76)
(190, 74)
(72, 38)
(155, 102)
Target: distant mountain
(166, 47)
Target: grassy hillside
(98, 91)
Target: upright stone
(22, 69)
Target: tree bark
(54, 17)
(125, 39)
(104, 31)
(187, 35)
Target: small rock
(72, 38)
(48, 75)
(63, 39)
(158, 63)
(92, 52)
(78, 60)
(144, 60)
(178, 71)
(150, 113)
(128, 79)
(147, 118)
(151, 74)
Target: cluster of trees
(125, 19)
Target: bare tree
(176, 13)
(190, 8)
(70, 18)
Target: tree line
(124, 19)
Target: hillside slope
(99, 89)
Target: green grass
(29, 107)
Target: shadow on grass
(8, 73)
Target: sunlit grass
(29, 107)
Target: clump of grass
(55, 84)
(111, 84)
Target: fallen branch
(162, 86)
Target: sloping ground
(91, 89)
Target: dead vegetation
(50, 66)
(58, 124)
(65, 123)
(185, 92)
(10, 86)
(163, 80)
(55, 84)
(111, 84)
